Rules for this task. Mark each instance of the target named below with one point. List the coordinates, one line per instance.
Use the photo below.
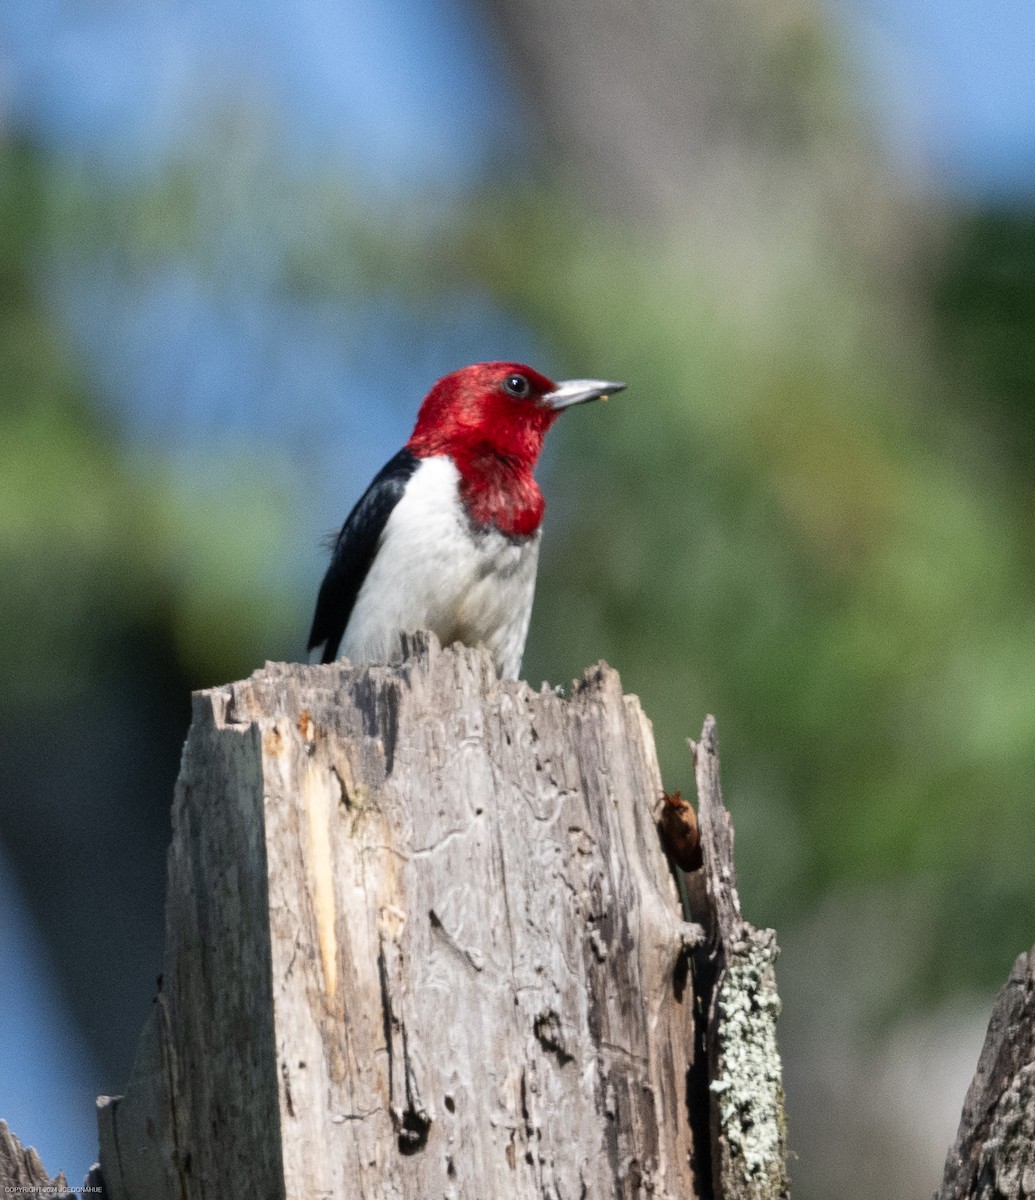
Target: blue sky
(47, 1078)
(952, 87)
(126, 83)
(953, 82)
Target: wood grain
(422, 941)
(993, 1156)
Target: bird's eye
(517, 386)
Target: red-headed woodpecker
(447, 535)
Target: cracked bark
(422, 941)
(22, 1171)
(993, 1156)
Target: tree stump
(422, 941)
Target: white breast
(434, 570)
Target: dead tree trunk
(422, 941)
(993, 1157)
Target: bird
(446, 537)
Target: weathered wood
(21, 1170)
(422, 941)
(137, 1139)
(993, 1156)
(736, 984)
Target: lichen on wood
(736, 980)
(749, 1079)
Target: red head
(491, 419)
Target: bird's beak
(579, 391)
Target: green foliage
(96, 541)
(984, 292)
(783, 522)
(794, 517)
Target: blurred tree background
(235, 252)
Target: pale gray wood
(421, 941)
(137, 1134)
(993, 1156)
(737, 983)
(21, 1168)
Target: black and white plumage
(353, 551)
(446, 537)
(409, 557)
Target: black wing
(354, 550)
